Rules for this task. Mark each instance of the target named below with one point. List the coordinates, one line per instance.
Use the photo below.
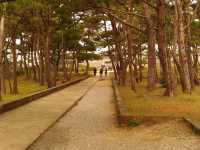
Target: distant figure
(106, 72)
(101, 72)
(95, 71)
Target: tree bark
(152, 75)
(47, 61)
(15, 84)
(121, 65)
(130, 50)
(87, 67)
(163, 50)
(1, 51)
(182, 48)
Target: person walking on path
(106, 72)
(101, 73)
(95, 71)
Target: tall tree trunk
(182, 49)
(163, 50)
(72, 66)
(187, 20)
(8, 74)
(35, 55)
(47, 62)
(87, 67)
(152, 75)
(1, 51)
(33, 43)
(26, 66)
(21, 63)
(130, 49)
(195, 65)
(55, 73)
(64, 68)
(3, 81)
(113, 63)
(110, 54)
(33, 66)
(15, 84)
(140, 64)
(41, 64)
(24, 57)
(121, 65)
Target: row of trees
(160, 35)
(40, 39)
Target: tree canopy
(40, 38)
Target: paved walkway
(91, 125)
(20, 127)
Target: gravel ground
(92, 126)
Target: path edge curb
(123, 116)
(118, 102)
(33, 97)
(194, 126)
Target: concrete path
(20, 127)
(91, 125)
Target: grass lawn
(144, 103)
(27, 87)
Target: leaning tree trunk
(194, 81)
(195, 65)
(110, 54)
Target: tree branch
(193, 16)
(151, 5)
(125, 23)
(121, 3)
(123, 12)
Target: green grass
(25, 87)
(28, 87)
(144, 103)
